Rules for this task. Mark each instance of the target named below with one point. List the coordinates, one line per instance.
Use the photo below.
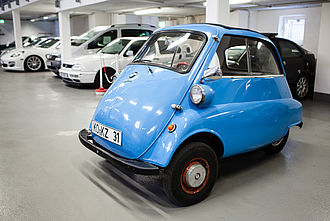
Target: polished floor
(46, 174)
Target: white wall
(322, 84)
(267, 21)
(28, 28)
(79, 25)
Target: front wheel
(191, 174)
(276, 146)
(33, 63)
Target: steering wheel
(182, 66)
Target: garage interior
(46, 174)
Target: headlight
(76, 67)
(17, 54)
(48, 56)
(197, 94)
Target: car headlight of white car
(48, 56)
(17, 54)
(77, 67)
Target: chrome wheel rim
(302, 87)
(33, 63)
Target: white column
(65, 34)
(17, 28)
(322, 81)
(217, 11)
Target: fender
(188, 124)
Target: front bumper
(15, 64)
(54, 66)
(137, 166)
(70, 76)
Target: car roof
(216, 29)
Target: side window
(246, 56)
(135, 33)
(135, 46)
(262, 58)
(288, 50)
(103, 40)
(234, 54)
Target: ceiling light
(233, 2)
(148, 11)
(236, 2)
(32, 20)
(45, 17)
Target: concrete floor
(46, 174)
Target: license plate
(48, 63)
(107, 133)
(64, 75)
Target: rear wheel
(276, 146)
(33, 63)
(301, 87)
(191, 174)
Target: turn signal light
(171, 128)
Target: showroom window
(244, 56)
(292, 27)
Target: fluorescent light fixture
(148, 11)
(233, 2)
(45, 17)
(236, 2)
(32, 20)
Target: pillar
(17, 28)
(65, 34)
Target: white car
(113, 58)
(29, 58)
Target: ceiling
(173, 8)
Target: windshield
(115, 47)
(48, 43)
(87, 35)
(174, 50)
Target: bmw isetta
(192, 95)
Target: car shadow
(145, 193)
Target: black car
(299, 65)
(54, 63)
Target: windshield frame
(155, 36)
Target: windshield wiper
(143, 61)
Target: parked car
(175, 114)
(10, 45)
(85, 70)
(299, 65)
(98, 37)
(29, 58)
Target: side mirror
(129, 53)
(212, 74)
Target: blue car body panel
(244, 113)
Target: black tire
(301, 87)
(34, 63)
(196, 154)
(276, 146)
(107, 76)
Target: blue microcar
(192, 95)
